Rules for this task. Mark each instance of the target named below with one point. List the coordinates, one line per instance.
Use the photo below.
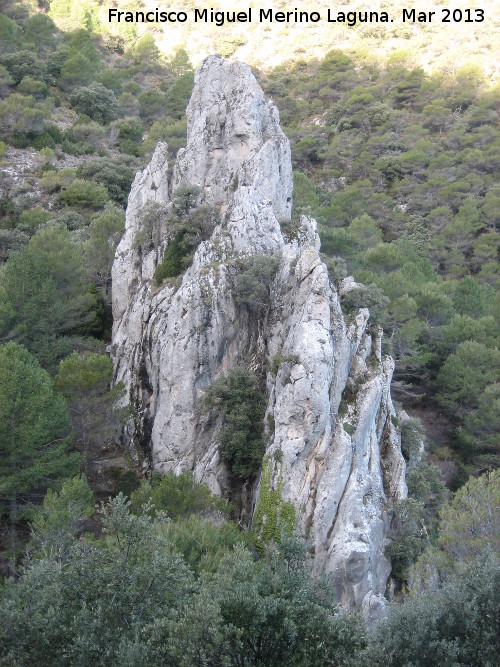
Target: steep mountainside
(332, 448)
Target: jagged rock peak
(333, 450)
(234, 140)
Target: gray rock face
(334, 450)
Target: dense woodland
(400, 168)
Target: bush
(454, 626)
(412, 435)
(186, 233)
(77, 147)
(130, 135)
(177, 495)
(202, 543)
(367, 296)
(10, 241)
(237, 398)
(44, 295)
(84, 194)
(32, 218)
(21, 64)
(34, 433)
(115, 175)
(96, 102)
(254, 282)
(31, 86)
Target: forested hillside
(400, 168)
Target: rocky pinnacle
(333, 450)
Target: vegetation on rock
(238, 400)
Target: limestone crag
(332, 444)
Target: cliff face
(333, 451)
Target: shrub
(455, 625)
(34, 430)
(186, 233)
(21, 64)
(115, 175)
(238, 400)
(30, 86)
(412, 435)
(177, 495)
(367, 296)
(53, 181)
(32, 218)
(85, 194)
(203, 543)
(96, 102)
(10, 241)
(254, 282)
(130, 135)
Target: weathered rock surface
(333, 446)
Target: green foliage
(30, 86)
(425, 482)
(305, 197)
(408, 535)
(130, 599)
(415, 521)
(84, 379)
(187, 228)
(105, 232)
(251, 614)
(21, 64)
(9, 31)
(238, 400)
(44, 295)
(456, 625)
(115, 175)
(95, 101)
(33, 218)
(100, 602)
(173, 133)
(348, 428)
(274, 518)
(469, 528)
(470, 522)
(369, 296)
(53, 181)
(10, 241)
(130, 135)
(39, 30)
(152, 104)
(202, 543)
(146, 53)
(56, 523)
(466, 374)
(34, 429)
(412, 436)
(179, 95)
(253, 283)
(84, 194)
(177, 495)
(23, 118)
(469, 298)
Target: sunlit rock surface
(331, 439)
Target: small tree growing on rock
(238, 399)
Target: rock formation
(333, 451)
